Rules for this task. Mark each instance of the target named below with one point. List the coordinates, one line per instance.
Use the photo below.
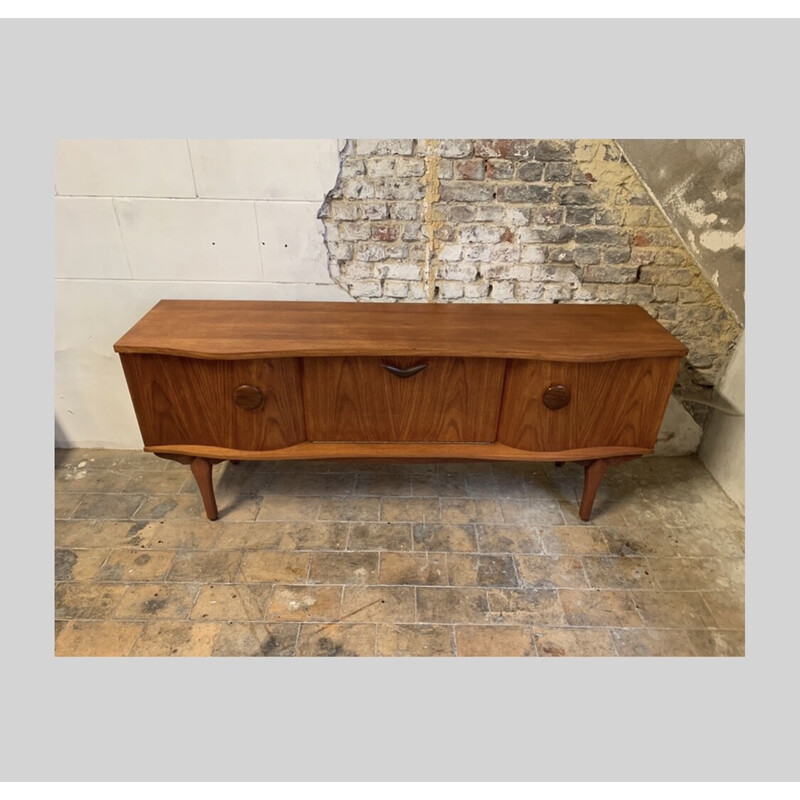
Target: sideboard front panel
(616, 403)
(358, 400)
(242, 404)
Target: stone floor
(345, 559)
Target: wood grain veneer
(238, 380)
(234, 329)
(611, 404)
(417, 451)
(192, 401)
(357, 400)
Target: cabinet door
(244, 405)
(360, 400)
(618, 403)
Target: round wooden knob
(556, 397)
(248, 397)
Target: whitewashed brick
(532, 254)
(556, 273)
(292, 247)
(190, 240)
(355, 271)
(354, 231)
(556, 291)
(384, 147)
(444, 170)
(397, 189)
(353, 167)
(395, 288)
(477, 252)
(596, 274)
(265, 169)
(516, 272)
(397, 251)
(406, 211)
(412, 232)
(371, 252)
(87, 239)
(601, 293)
(123, 168)
(446, 148)
(502, 291)
(380, 167)
(450, 290)
(529, 292)
(348, 212)
(375, 211)
(489, 213)
(480, 234)
(458, 272)
(366, 289)
(506, 252)
(410, 167)
(641, 294)
(515, 216)
(450, 252)
(357, 189)
(404, 272)
(475, 290)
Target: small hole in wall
(286, 245)
(263, 242)
(213, 242)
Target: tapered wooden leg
(201, 469)
(592, 475)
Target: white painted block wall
(141, 220)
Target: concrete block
(124, 168)
(190, 240)
(265, 169)
(88, 243)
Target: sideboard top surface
(237, 329)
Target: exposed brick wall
(523, 220)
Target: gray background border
(396, 719)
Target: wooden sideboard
(218, 380)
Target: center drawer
(402, 399)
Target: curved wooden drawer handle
(248, 397)
(404, 373)
(556, 397)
